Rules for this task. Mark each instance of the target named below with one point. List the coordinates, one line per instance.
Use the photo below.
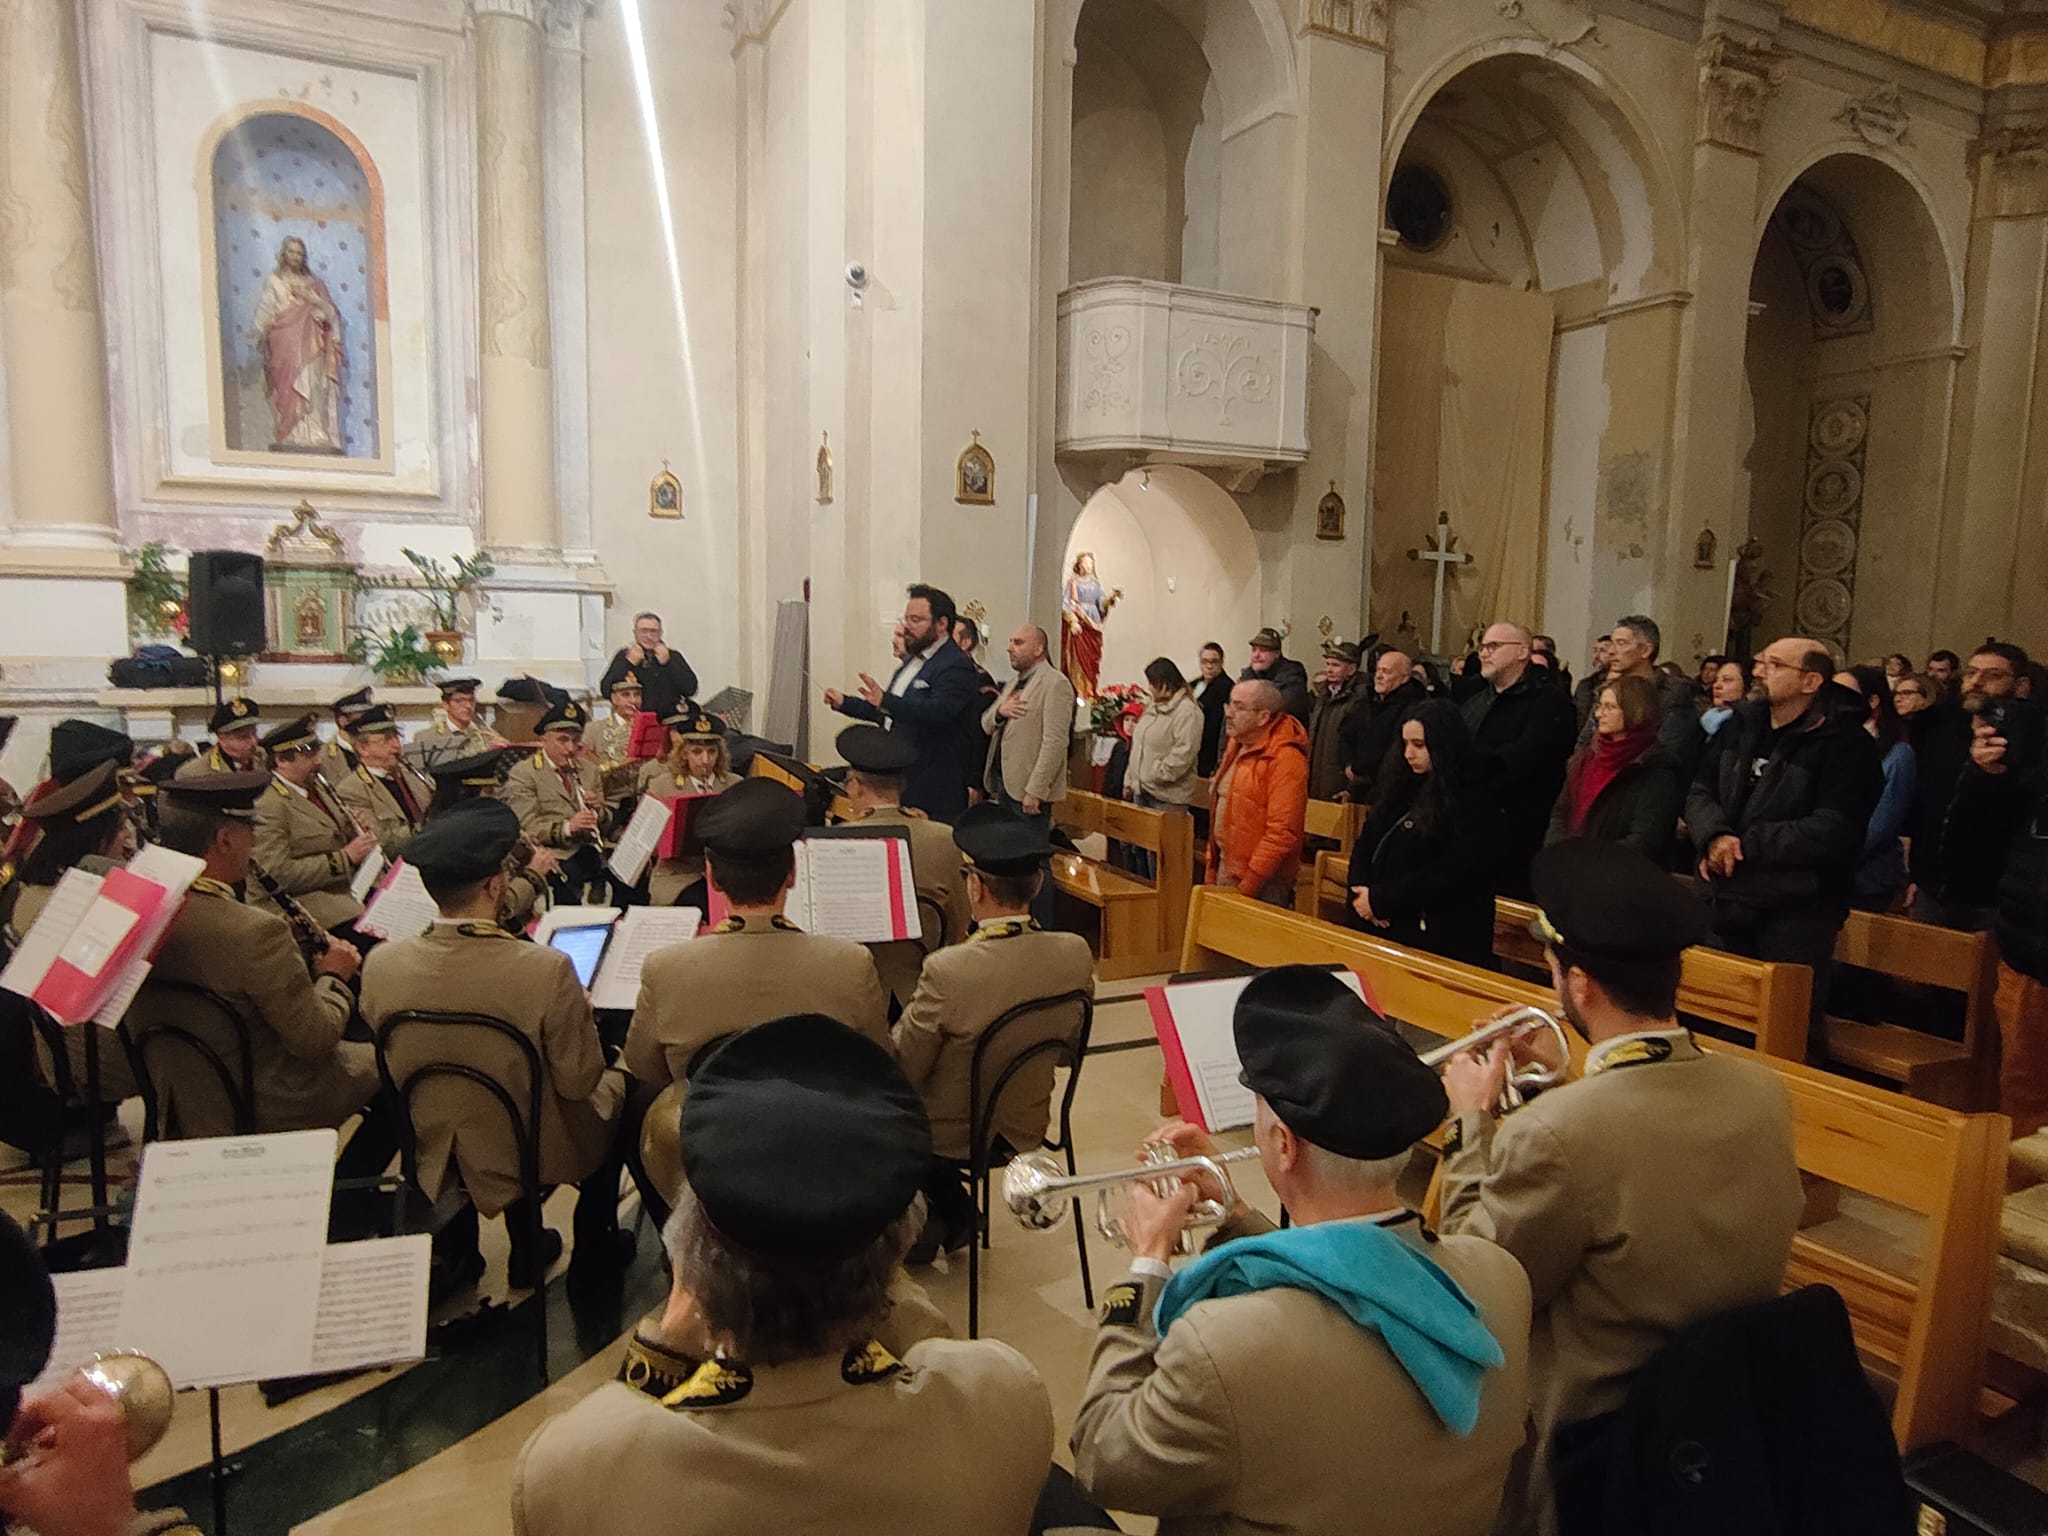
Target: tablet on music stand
(584, 947)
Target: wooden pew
(1327, 821)
(1961, 1074)
(1945, 1167)
(1141, 921)
(1758, 998)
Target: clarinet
(312, 938)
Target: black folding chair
(155, 1043)
(81, 1105)
(932, 914)
(1067, 1051)
(524, 1121)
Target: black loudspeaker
(226, 603)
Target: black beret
(373, 721)
(998, 841)
(802, 1139)
(524, 690)
(449, 685)
(870, 749)
(479, 769)
(1609, 903)
(348, 703)
(1333, 1073)
(755, 816)
(28, 1315)
(232, 715)
(78, 746)
(232, 795)
(466, 842)
(293, 733)
(698, 723)
(565, 714)
(175, 755)
(93, 793)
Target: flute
(311, 937)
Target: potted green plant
(399, 656)
(445, 589)
(156, 595)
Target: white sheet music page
(366, 875)
(70, 900)
(644, 930)
(1202, 1016)
(642, 836)
(225, 1258)
(88, 1321)
(373, 1304)
(400, 908)
(844, 886)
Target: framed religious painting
(974, 476)
(665, 494)
(1330, 515)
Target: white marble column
(61, 468)
(516, 373)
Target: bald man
(1522, 727)
(1778, 812)
(1030, 726)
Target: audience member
(932, 695)
(1211, 690)
(1031, 729)
(1729, 688)
(1521, 736)
(1587, 694)
(1260, 797)
(973, 739)
(1710, 669)
(1914, 694)
(1166, 742)
(878, 763)
(1777, 813)
(1623, 786)
(1897, 668)
(1335, 696)
(1956, 867)
(1944, 667)
(1270, 666)
(666, 679)
(1196, 1407)
(1996, 791)
(1546, 647)
(1881, 874)
(1422, 870)
(1632, 652)
(1373, 728)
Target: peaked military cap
(565, 714)
(1327, 1066)
(480, 769)
(1267, 639)
(466, 842)
(997, 841)
(870, 749)
(352, 703)
(450, 686)
(292, 735)
(232, 715)
(1343, 650)
(803, 1140)
(92, 793)
(694, 724)
(755, 816)
(626, 679)
(78, 746)
(377, 720)
(232, 795)
(1609, 903)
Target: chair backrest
(998, 1061)
(520, 1102)
(226, 1064)
(1169, 834)
(932, 913)
(1334, 822)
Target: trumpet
(1514, 1026)
(139, 1387)
(1037, 1192)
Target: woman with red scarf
(1621, 786)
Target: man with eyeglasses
(1778, 811)
(1960, 844)
(1522, 728)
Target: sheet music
(88, 1321)
(644, 930)
(573, 917)
(227, 1243)
(115, 1008)
(175, 872)
(843, 885)
(69, 901)
(400, 908)
(366, 876)
(373, 1304)
(642, 836)
(98, 934)
(1202, 1014)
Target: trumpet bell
(144, 1391)
(1032, 1190)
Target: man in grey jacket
(1030, 726)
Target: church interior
(372, 343)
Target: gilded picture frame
(1330, 515)
(974, 476)
(665, 494)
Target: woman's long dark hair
(1435, 797)
(1876, 689)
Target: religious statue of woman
(298, 330)
(1085, 610)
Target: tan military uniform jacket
(608, 740)
(300, 845)
(742, 973)
(667, 878)
(307, 1077)
(449, 744)
(966, 988)
(373, 801)
(938, 874)
(1658, 1190)
(1274, 1413)
(480, 968)
(213, 760)
(952, 1440)
(535, 791)
(337, 761)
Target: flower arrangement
(1115, 709)
(444, 589)
(398, 656)
(156, 595)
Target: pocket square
(920, 683)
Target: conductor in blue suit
(928, 701)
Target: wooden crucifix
(1440, 550)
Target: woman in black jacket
(1623, 786)
(1422, 871)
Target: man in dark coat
(1283, 672)
(1211, 690)
(973, 739)
(2003, 789)
(1521, 724)
(1339, 692)
(666, 678)
(1959, 845)
(1374, 724)
(933, 691)
(1778, 812)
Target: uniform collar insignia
(732, 925)
(1630, 1053)
(782, 924)
(481, 930)
(654, 1369)
(1005, 928)
(212, 887)
(868, 1362)
(714, 1384)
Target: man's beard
(1571, 1016)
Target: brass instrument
(1514, 1026)
(311, 937)
(139, 1387)
(1038, 1193)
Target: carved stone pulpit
(309, 590)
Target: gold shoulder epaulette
(713, 1384)
(782, 924)
(731, 925)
